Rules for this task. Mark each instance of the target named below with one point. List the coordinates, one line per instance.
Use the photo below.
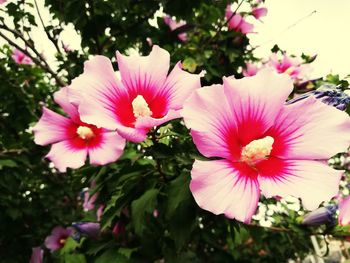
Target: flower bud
(320, 216)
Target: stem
(159, 168)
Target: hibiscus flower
(144, 97)
(263, 144)
(72, 140)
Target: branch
(40, 61)
(46, 32)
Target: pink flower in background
(289, 65)
(58, 238)
(20, 58)
(37, 255)
(2, 1)
(118, 229)
(99, 212)
(264, 144)
(250, 70)
(145, 97)
(344, 211)
(89, 201)
(237, 23)
(259, 12)
(72, 140)
(173, 24)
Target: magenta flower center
(257, 150)
(85, 132)
(140, 107)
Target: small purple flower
(89, 229)
(320, 216)
(58, 238)
(37, 255)
(328, 94)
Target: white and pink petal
(224, 188)
(109, 149)
(312, 181)
(52, 127)
(208, 115)
(66, 154)
(310, 129)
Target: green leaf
(111, 256)
(7, 163)
(178, 191)
(69, 246)
(74, 258)
(189, 64)
(140, 207)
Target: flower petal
(61, 98)
(344, 211)
(144, 75)
(207, 114)
(312, 181)
(63, 154)
(98, 78)
(52, 127)
(109, 150)
(132, 134)
(310, 129)
(179, 86)
(149, 122)
(221, 187)
(256, 101)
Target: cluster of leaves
(147, 190)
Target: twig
(46, 32)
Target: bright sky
(309, 26)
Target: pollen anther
(140, 107)
(85, 133)
(257, 150)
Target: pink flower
(89, 201)
(344, 211)
(289, 65)
(37, 255)
(2, 1)
(72, 140)
(259, 12)
(99, 212)
(20, 58)
(250, 70)
(237, 23)
(264, 144)
(57, 238)
(173, 24)
(118, 229)
(145, 97)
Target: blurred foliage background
(149, 213)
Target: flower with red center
(344, 211)
(72, 140)
(259, 12)
(236, 22)
(264, 145)
(173, 24)
(289, 65)
(20, 58)
(144, 97)
(58, 238)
